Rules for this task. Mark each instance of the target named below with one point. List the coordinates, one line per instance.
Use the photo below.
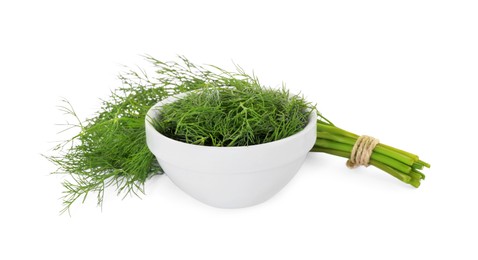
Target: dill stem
(382, 149)
(390, 161)
(398, 163)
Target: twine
(362, 151)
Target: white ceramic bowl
(230, 177)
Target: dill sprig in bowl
(232, 146)
(109, 149)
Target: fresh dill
(241, 114)
(222, 108)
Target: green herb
(109, 149)
(237, 115)
(400, 164)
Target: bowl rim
(312, 123)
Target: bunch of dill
(222, 109)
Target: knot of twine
(362, 151)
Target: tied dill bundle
(237, 115)
(400, 164)
(222, 109)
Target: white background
(403, 71)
